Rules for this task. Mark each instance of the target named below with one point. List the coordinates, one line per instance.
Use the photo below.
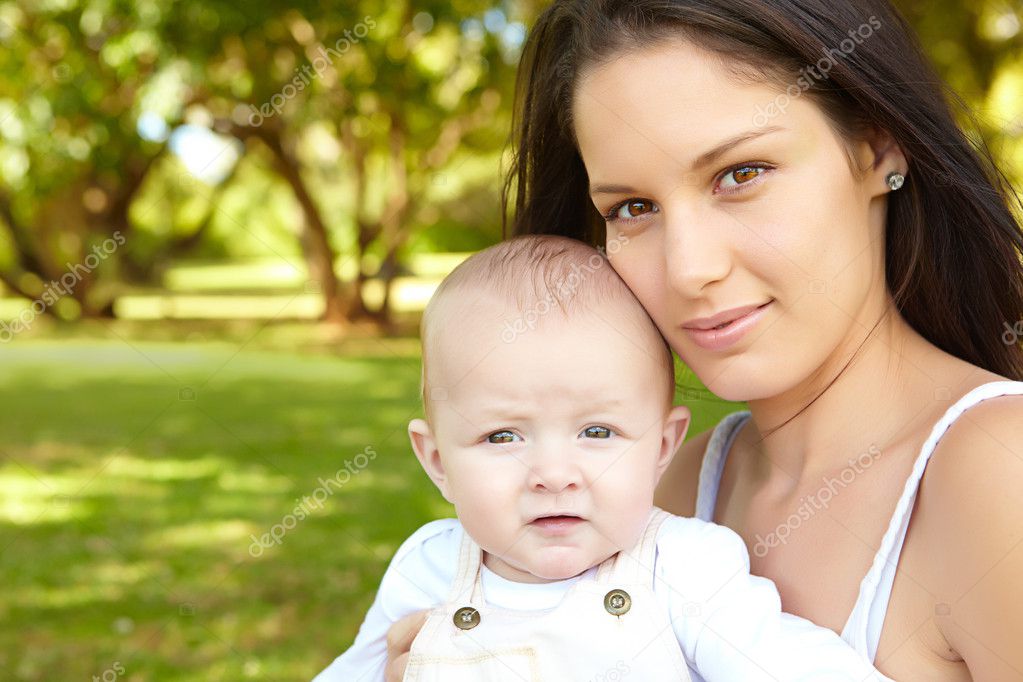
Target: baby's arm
(418, 577)
(730, 623)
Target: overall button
(466, 618)
(617, 602)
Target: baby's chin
(558, 564)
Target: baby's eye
(597, 432)
(501, 437)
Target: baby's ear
(675, 427)
(425, 447)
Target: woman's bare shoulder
(976, 470)
(971, 520)
(676, 492)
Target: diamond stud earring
(895, 180)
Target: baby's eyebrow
(606, 404)
(499, 411)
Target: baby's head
(548, 397)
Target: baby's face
(549, 443)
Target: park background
(204, 468)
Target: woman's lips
(556, 525)
(729, 334)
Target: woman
(784, 188)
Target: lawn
(135, 474)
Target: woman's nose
(697, 251)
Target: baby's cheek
(492, 507)
(625, 520)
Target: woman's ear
(879, 155)
(675, 426)
(425, 446)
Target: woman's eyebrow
(709, 156)
(702, 160)
(611, 189)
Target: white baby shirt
(728, 623)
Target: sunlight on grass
(257, 274)
(202, 534)
(24, 504)
(164, 469)
(68, 596)
(210, 307)
(259, 290)
(253, 482)
(32, 496)
(407, 295)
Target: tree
(401, 89)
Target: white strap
(466, 584)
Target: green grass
(134, 473)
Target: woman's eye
(633, 208)
(501, 437)
(597, 432)
(737, 177)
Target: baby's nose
(554, 475)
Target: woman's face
(716, 209)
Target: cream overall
(606, 628)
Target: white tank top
(863, 629)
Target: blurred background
(219, 223)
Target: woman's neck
(868, 394)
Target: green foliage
(348, 115)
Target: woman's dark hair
(953, 245)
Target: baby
(548, 398)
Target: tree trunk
(321, 254)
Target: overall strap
(466, 586)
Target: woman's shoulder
(983, 444)
(979, 451)
(977, 464)
(969, 515)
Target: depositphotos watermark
(1013, 333)
(62, 287)
(811, 504)
(303, 78)
(565, 288)
(819, 71)
(618, 672)
(305, 506)
(110, 674)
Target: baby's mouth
(556, 524)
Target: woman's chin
(728, 380)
